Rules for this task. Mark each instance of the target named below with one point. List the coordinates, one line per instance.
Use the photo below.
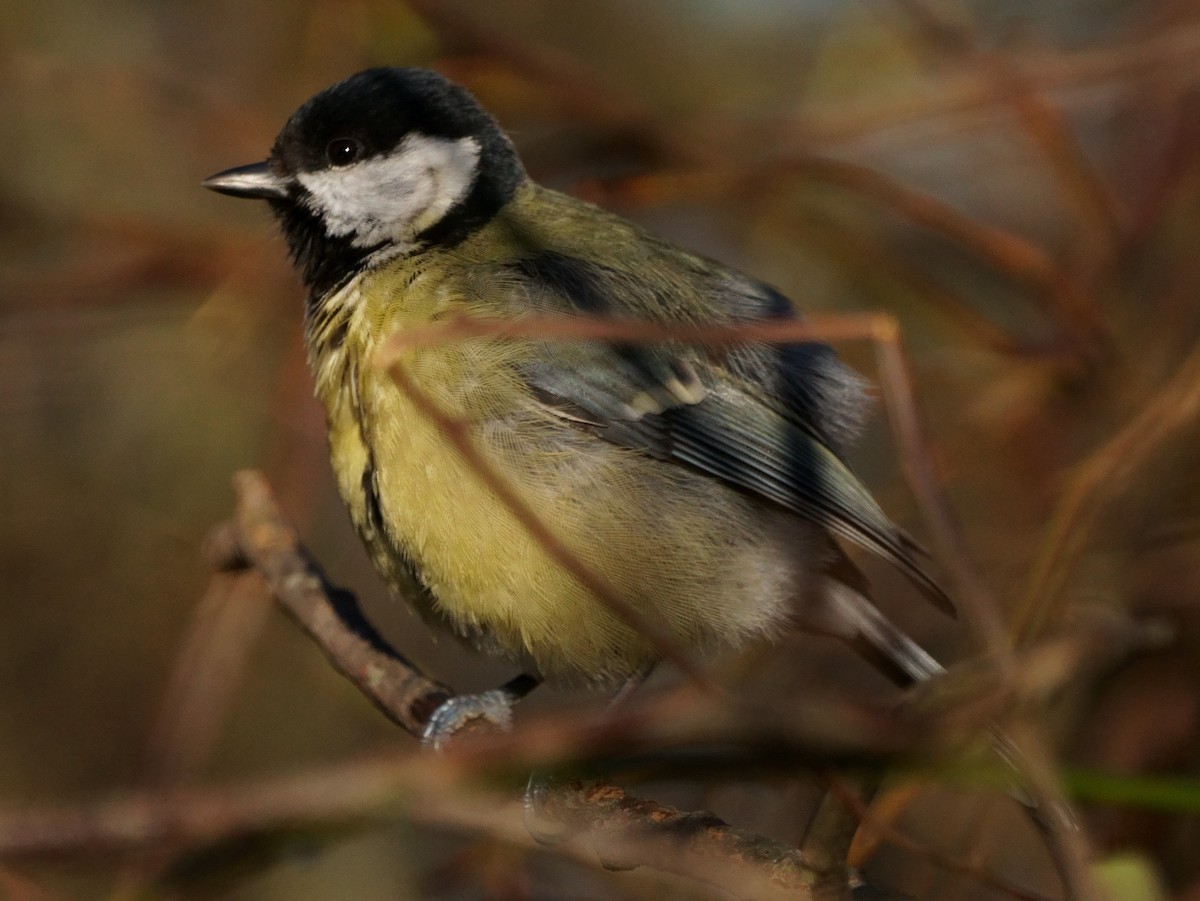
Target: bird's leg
(541, 827)
(483, 711)
(632, 684)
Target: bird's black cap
(380, 107)
(376, 110)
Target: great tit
(706, 485)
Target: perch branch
(259, 536)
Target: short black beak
(255, 180)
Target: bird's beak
(255, 180)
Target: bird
(706, 485)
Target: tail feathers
(845, 611)
(904, 553)
(878, 639)
(896, 655)
(851, 616)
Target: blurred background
(1017, 182)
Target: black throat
(325, 262)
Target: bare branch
(329, 615)
(1098, 480)
(623, 831)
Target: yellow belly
(710, 565)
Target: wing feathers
(765, 419)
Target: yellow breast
(712, 566)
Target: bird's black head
(385, 163)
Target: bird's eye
(344, 151)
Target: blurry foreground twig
(1098, 480)
(680, 734)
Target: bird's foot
(488, 711)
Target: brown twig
(594, 328)
(1172, 51)
(1049, 809)
(625, 832)
(881, 829)
(1004, 250)
(261, 537)
(981, 609)
(1098, 480)
(1049, 132)
(208, 670)
(830, 835)
(151, 820)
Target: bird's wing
(805, 383)
(750, 422)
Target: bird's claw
(488, 711)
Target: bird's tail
(843, 608)
(862, 625)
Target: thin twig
(329, 615)
(1097, 482)
(885, 830)
(635, 331)
(208, 671)
(625, 832)
(983, 616)
(830, 835)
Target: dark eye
(344, 151)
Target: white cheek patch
(394, 198)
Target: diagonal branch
(260, 537)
